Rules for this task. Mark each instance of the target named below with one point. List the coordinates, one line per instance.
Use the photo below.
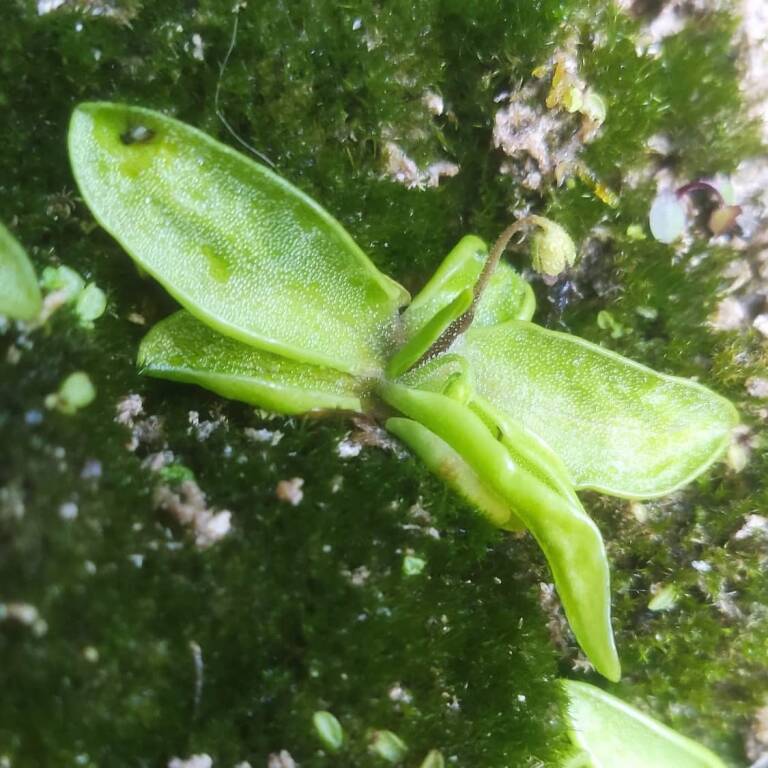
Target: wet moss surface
(152, 648)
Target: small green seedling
(328, 730)
(388, 746)
(283, 310)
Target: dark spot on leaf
(138, 134)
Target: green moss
(282, 630)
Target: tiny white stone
(347, 449)
(760, 324)
(667, 217)
(194, 761)
(68, 510)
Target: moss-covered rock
(123, 642)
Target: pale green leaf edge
(585, 692)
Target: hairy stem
(461, 323)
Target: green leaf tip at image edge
(19, 292)
(611, 733)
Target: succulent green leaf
(619, 427)
(611, 733)
(238, 246)
(571, 542)
(181, 348)
(529, 450)
(19, 293)
(506, 297)
(450, 467)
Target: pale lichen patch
(194, 761)
(187, 504)
(399, 167)
(281, 759)
(290, 491)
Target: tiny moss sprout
(413, 565)
(328, 730)
(90, 305)
(668, 215)
(665, 598)
(434, 759)
(515, 418)
(388, 746)
(75, 392)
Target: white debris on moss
(399, 694)
(755, 526)
(290, 491)
(433, 102)
(402, 169)
(543, 126)
(187, 504)
(128, 409)
(757, 386)
(110, 9)
(524, 134)
(672, 18)
(148, 431)
(760, 324)
(743, 442)
(47, 6)
(358, 577)
(198, 52)
(281, 759)
(195, 761)
(368, 433)
(348, 449)
(205, 428)
(68, 510)
(26, 614)
(756, 742)
(730, 315)
(753, 41)
(273, 437)
(556, 621)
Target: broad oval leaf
(19, 292)
(181, 348)
(238, 246)
(619, 427)
(611, 733)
